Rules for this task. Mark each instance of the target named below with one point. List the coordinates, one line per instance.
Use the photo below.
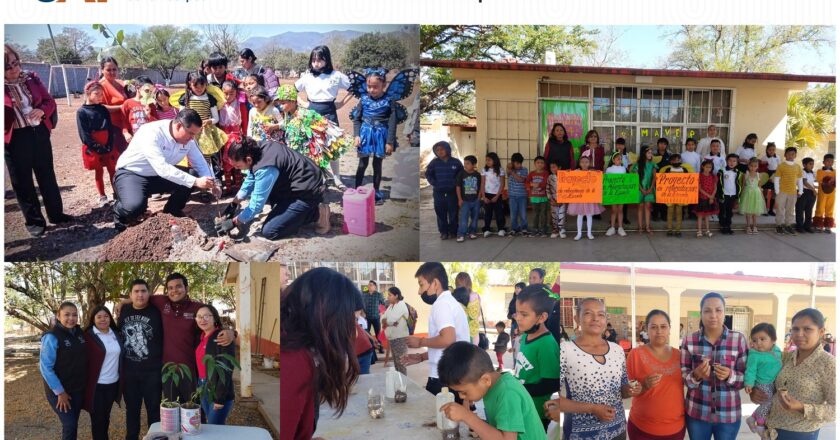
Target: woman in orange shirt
(114, 94)
(658, 413)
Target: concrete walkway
(419, 373)
(267, 390)
(767, 245)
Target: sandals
(709, 234)
(699, 234)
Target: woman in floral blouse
(805, 401)
(713, 361)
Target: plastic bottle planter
(359, 211)
(191, 420)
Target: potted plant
(191, 414)
(218, 367)
(169, 410)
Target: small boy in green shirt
(467, 370)
(537, 363)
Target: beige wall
(759, 106)
(270, 343)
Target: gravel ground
(395, 239)
(29, 416)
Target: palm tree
(806, 125)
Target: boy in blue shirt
(467, 370)
(441, 173)
(517, 194)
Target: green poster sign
(621, 189)
(574, 115)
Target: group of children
(727, 183)
(232, 108)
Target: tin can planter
(170, 421)
(191, 420)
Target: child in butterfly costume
(376, 117)
(309, 133)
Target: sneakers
(473, 236)
(780, 230)
(610, 232)
(790, 230)
(621, 232)
(460, 239)
(36, 230)
(771, 213)
(103, 200)
(554, 235)
(501, 232)
(578, 237)
(487, 234)
(562, 233)
(590, 236)
(323, 219)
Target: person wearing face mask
(447, 322)
(537, 276)
(713, 362)
(536, 364)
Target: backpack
(412, 319)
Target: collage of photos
(419, 231)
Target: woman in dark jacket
(30, 114)
(63, 366)
(104, 370)
(217, 396)
(558, 149)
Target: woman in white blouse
(395, 322)
(104, 362)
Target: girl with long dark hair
(313, 352)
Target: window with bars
(359, 273)
(512, 128)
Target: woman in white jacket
(395, 322)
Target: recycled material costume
(375, 120)
(311, 134)
(824, 214)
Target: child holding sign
(587, 210)
(707, 198)
(646, 169)
(674, 215)
(616, 211)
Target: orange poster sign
(677, 188)
(579, 186)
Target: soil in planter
(149, 241)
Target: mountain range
(298, 41)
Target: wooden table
(412, 420)
(224, 432)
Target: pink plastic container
(359, 211)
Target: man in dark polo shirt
(142, 330)
(180, 333)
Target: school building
(517, 103)
(750, 299)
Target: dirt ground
(395, 239)
(29, 416)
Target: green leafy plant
(217, 368)
(174, 373)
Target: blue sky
(646, 46)
(28, 34)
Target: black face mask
(428, 299)
(533, 329)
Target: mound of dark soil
(151, 240)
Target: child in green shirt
(468, 371)
(537, 364)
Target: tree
(806, 125)
(526, 43)
(820, 97)
(606, 53)
(74, 46)
(26, 54)
(375, 50)
(35, 290)
(223, 38)
(740, 48)
(338, 50)
(284, 59)
(164, 48)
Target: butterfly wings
(401, 85)
(399, 88)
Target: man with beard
(142, 330)
(447, 322)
